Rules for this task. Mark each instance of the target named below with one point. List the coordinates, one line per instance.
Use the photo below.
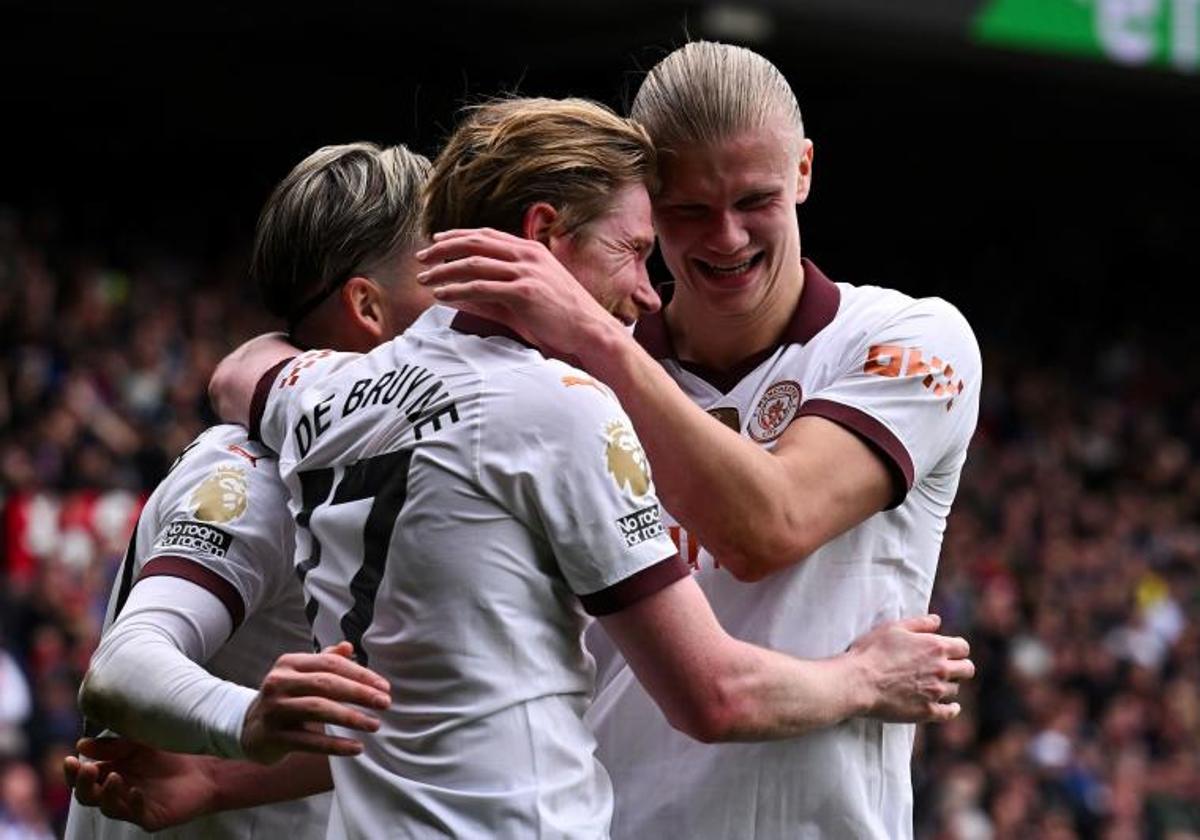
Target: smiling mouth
(729, 271)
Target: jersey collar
(466, 322)
(818, 304)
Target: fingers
(301, 740)
(107, 749)
(942, 712)
(342, 648)
(114, 799)
(921, 623)
(71, 766)
(309, 709)
(466, 269)
(486, 242)
(481, 291)
(956, 647)
(960, 669)
(86, 784)
(327, 675)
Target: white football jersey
(219, 520)
(463, 502)
(904, 375)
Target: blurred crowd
(1070, 563)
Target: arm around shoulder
(231, 389)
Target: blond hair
(509, 154)
(706, 91)
(342, 210)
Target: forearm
(765, 695)
(144, 681)
(726, 491)
(244, 784)
(231, 388)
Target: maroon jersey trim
(258, 403)
(202, 576)
(636, 587)
(818, 306)
(876, 435)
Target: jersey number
(383, 478)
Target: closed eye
(754, 201)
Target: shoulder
(879, 314)
(223, 478)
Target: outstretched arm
(716, 688)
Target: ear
(804, 171)
(364, 303)
(538, 222)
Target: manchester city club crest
(775, 411)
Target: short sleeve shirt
(464, 501)
(904, 375)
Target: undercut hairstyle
(343, 210)
(509, 154)
(705, 92)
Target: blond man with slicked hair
(466, 501)
(807, 439)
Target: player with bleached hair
(206, 602)
(466, 500)
(807, 439)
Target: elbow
(96, 697)
(724, 711)
(707, 723)
(765, 554)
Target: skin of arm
(757, 511)
(713, 687)
(709, 686)
(157, 789)
(231, 388)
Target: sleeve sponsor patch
(893, 361)
(641, 525)
(196, 536)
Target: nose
(645, 296)
(728, 235)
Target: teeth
(733, 269)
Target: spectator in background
(21, 814)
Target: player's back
(446, 518)
(219, 520)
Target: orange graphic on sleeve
(894, 360)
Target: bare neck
(720, 341)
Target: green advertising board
(1155, 33)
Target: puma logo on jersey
(893, 360)
(587, 382)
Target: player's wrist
(602, 343)
(856, 676)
